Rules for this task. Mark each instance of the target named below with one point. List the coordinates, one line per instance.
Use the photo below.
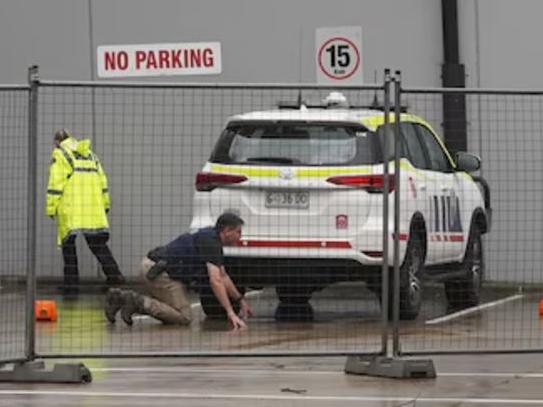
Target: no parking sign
(339, 55)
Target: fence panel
(13, 219)
(152, 141)
(504, 128)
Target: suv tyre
(466, 291)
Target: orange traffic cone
(541, 308)
(45, 310)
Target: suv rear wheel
(410, 284)
(410, 272)
(465, 292)
(294, 303)
(212, 307)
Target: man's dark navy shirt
(186, 256)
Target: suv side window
(414, 147)
(381, 147)
(438, 159)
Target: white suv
(309, 184)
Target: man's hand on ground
(237, 322)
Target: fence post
(396, 240)
(32, 176)
(383, 365)
(385, 277)
(33, 370)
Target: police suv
(308, 181)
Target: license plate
(292, 200)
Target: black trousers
(97, 245)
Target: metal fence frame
(400, 92)
(35, 84)
(29, 258)
(386, 326)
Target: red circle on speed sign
(340, 51)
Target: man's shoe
(114, 302)
(132, 304)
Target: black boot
(132, 304)
(114, 302)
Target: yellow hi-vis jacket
(77, 193)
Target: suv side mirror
(467, 162)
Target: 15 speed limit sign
(338, 55)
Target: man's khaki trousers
(168, 302)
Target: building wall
(262, 41)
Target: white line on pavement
(273, 371)
(473, 310)
(304, 397)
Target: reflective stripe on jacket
(77, 192)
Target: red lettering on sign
(115, 60)
(109, 59)
(208, 57)
(140, 57)
(164, 58)
(151, 61)
(122, 60)
(158, 59)
(176, 59)
(195, 58)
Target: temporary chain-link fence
(13, 219)
(152, 141)
(494, 308)
(308, 186)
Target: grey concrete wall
(152, 151)
(506, 54)
(500, 51)
(155, 142)
(262, 41)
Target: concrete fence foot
(35, 372)
(390, 367)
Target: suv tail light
(371, 183)
(208, 181)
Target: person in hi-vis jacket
(78, 200)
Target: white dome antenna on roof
(336, 99)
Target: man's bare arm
(231, 288)
(245, 309)
(219, 287)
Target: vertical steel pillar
(383, 365)
(385, 280)
(32, 176)
(32, 370)
(396, 239)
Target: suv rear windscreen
(295, 144)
